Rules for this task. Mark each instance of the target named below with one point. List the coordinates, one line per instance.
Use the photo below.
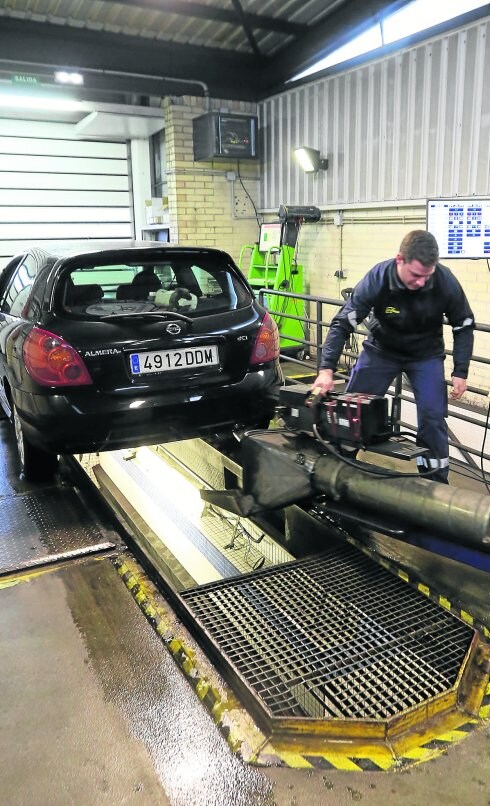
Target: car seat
(82, 294)
(127, 291)
(145, 282)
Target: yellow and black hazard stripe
(429, 745)
(484, 712)
(383, 760)
(215, 703)
(337, 761)
(438, 745)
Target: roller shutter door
(55, 189)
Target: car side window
(11, 265)
(6, 281)
(18, 291)
(208, 284)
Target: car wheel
(36, 464)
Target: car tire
(36, 464)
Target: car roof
(63, 251)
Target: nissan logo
(173, 328)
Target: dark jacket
(405, 324)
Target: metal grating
(333, 636)
(45, 527)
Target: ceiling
(132, 50)
(231, 49)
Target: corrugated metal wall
(58, 189)
(409, 126)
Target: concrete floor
(94, 710)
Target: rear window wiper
(146, 314)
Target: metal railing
(315, 328)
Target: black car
(129, 346)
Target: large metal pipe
(460, 515)
(282, 468)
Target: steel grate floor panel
(332, 636)
(39, 527)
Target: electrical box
(220, 135)
(352, 418)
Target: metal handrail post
(319, 335)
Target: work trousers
(374, 372)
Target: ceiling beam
(201, 11)
(227, 74)
(246, 27)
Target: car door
(18, 277)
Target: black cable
(472, 475)
(283, 302)
(246, 191)
(483, 451)
(295, 261)
(385, 474)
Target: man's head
(416, 259)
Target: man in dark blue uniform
(407, 297)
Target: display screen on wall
(460, 226)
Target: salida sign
(25, 80)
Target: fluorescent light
(420, 15)
(38, 102)
(412, 18)
(369, 40)
(65, 77)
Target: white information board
(270, 236)
(461, 227)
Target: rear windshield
(176, 285)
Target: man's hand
(324, 382)
(459, 388)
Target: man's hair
(420, 245)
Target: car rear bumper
(78, 424)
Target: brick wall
(205, 207)
(208, 209)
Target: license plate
(164, 360)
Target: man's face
(413, 275)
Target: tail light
(266, 347)
(51, 361)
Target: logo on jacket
(173, 328)
(391, 309)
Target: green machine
(273, 265)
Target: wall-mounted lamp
(310, 160)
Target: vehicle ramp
(332, 653)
